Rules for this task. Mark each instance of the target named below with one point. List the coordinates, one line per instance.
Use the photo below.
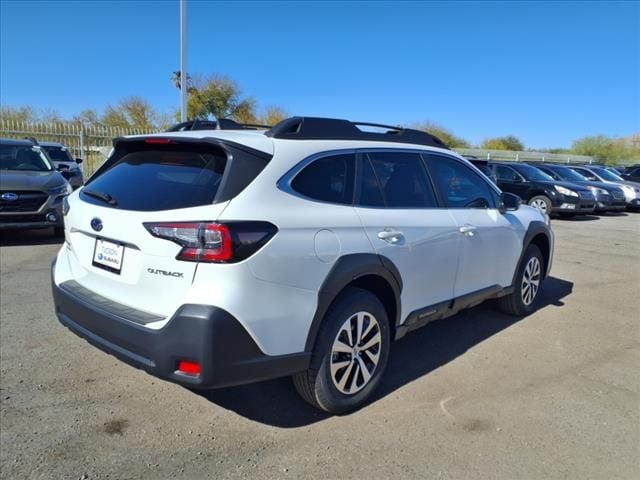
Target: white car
(220, 257)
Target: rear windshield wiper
(105, 197)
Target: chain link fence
(91, 143)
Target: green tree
(509, 142)
(18, 114)
(444, 134)
(132, 112)
(272, 115)
(221, 97)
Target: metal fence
(91, 143)
(512, 156)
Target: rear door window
(401, 178)
(328, 179)
(153, 178)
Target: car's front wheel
(350, 354)
(542, 203)
(526, 288)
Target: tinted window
(328, 179)
(553, 174)
(153, 178)
(402, 180)
(567, 174)
(23, 157)
(59, 154)
(586, 173)
(459, 186)
(533, 173)
(370, 190)
(506, 174)
(606, 174)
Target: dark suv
(543, 192)
(609, 198)
(31, 190)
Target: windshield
(606, 174)
(24, 157)
(568, 174)
(59, 154)
(533, 173)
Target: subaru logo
(9, 197)
(96, 224)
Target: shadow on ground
(277, 403)
(12, 238)
(577, 218)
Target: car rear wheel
(526, 288)
(542, 203)
(350, 354)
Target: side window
(328, 179)
(458, 185)
(401, 179)
(505, 173)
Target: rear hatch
(117, 224)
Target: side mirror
(509, 202)
(78, 161)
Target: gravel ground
(480, 395)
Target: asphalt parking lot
(480, 395)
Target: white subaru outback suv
(219, 257)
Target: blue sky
(547, 72)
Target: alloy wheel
(355, 353)
(530, 281)
(540, 205)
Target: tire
(58, 232)
(542, 203)
(329, 390)
(520, 302)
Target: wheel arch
(537, 234)
(368, 271)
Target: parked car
(303, 250)
(631, 174)
(543, 192)
(609, 197)
(483, 166)
(31, 190)
(598, 174)
(64, 162)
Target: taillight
(214, 242)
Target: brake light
(201, 242)
(157, 140)
(214, 242)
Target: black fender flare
(344, 271)
(535, 228)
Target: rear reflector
(189, 368)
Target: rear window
(153, 178)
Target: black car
(543, 192)
(609, 198)
(483, 166)
(632, 173)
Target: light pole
(183, 60)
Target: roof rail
(316, 128)
(220, 124)
(32, 140)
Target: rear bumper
(199, 333)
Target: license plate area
(108, 255)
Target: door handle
(468, 230)
(390, 235)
